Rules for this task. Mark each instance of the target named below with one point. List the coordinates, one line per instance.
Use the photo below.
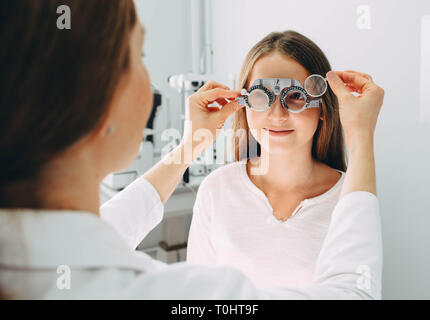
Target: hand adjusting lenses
(294, 97)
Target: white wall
(389, 51)
(167, 46)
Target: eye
(296, 96)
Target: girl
(271, 225)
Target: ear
(105, 128)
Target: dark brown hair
(56, 85)
(328, 143)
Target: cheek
(255, 119)
(256, 122)
(143, 97)
(145, 83)
(306, 122)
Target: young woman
(73, 106)
(271, 225)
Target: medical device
(294, 96)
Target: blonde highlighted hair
(328, 142)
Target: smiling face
(276, 118)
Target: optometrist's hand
(358, 114)
(201, 121)
(200, 131)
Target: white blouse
(233, 224)
(76, 255)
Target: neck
(71, 184)
(290, 170)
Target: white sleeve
(200, 249)
(351, 255)
(134, 211)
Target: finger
(212, 85)
(365, 75)
(355, 80)
(221, 103)
(230, 108)
(352, 77)
(218, 93)
(351, 89)
(337, 84)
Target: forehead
(276, 65)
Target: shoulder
(328, 175)
(227, 174)
(328, 185)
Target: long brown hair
(55, 85)
(328, 142)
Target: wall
(167, 48)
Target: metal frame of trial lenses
(268, 93)
(296, 86)
(287, 91)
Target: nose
(277, 111)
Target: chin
(279, 151)
(129, 154)
(278, 148)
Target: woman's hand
(202, 123)
(358, 114)
(200, 131)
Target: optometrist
(56, 243)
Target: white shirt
(103, 263)
(233, 224)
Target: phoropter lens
(258, 99)
(295, 100)
(315, 85)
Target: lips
(278, 130)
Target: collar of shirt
(305, 203)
